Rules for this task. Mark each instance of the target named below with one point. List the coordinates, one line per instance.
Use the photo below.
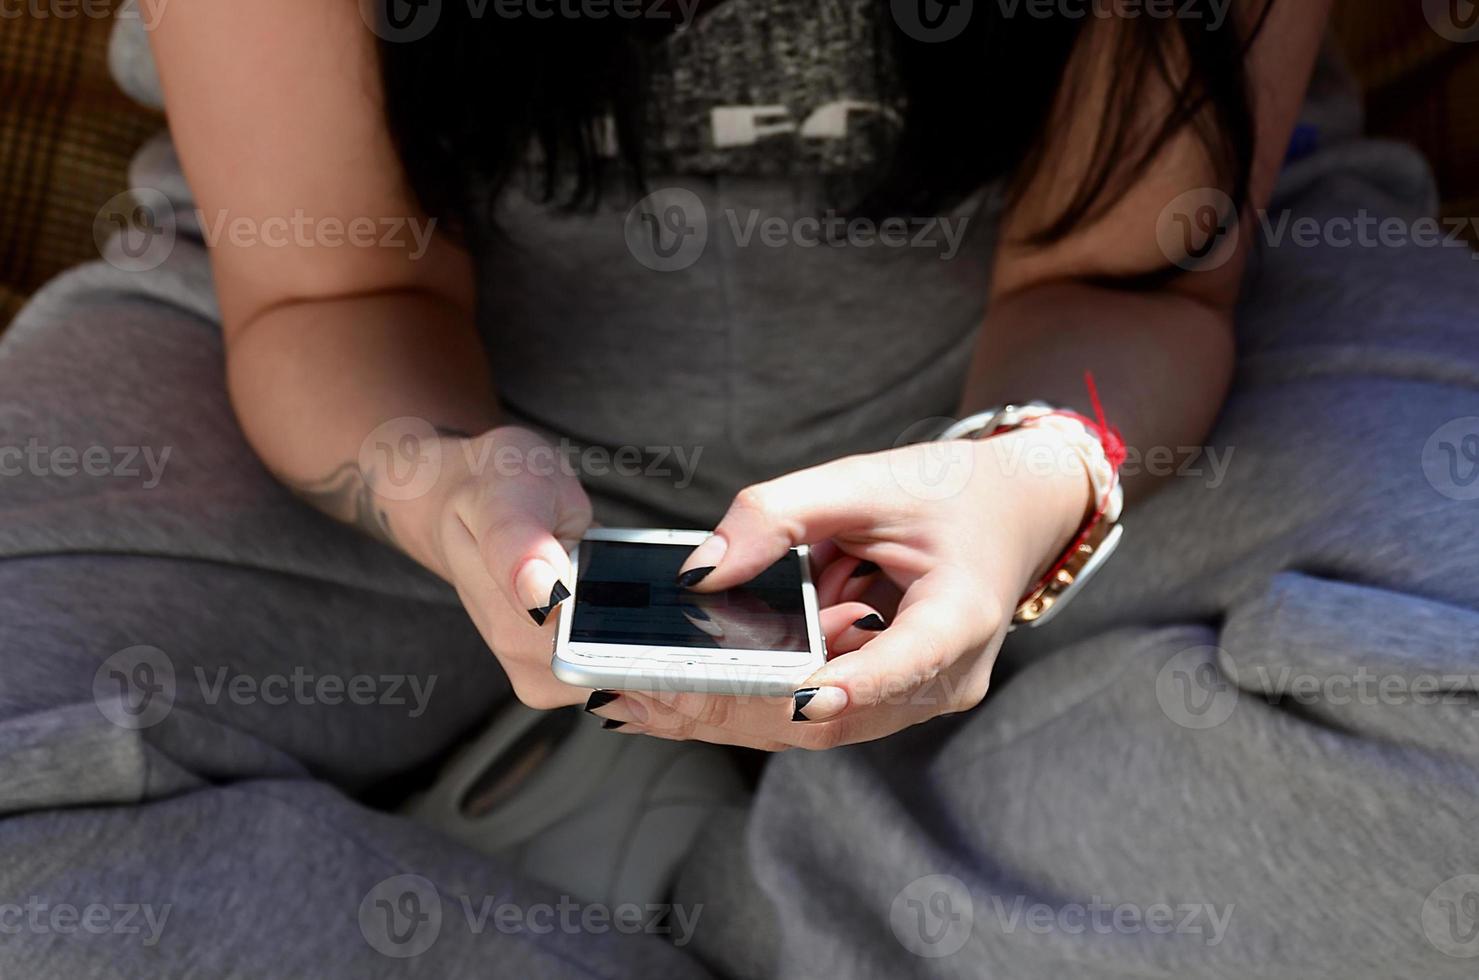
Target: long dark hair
(468, 98)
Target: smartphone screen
(626, 592)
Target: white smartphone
(629, 626)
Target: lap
(141, 541)
(198, 677)
(1195, 736)
(285, 877)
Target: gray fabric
(223, 839)
(1326, 829)
(1329, 827)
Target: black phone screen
(627, 592)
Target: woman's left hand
(961, 529)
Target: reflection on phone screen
(626, 592)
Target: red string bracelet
(1115, 452)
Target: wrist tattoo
(348, 496)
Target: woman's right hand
(504, 512)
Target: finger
(845, 579)
(652, 715)
(660, 721)
(712, 736)
(861, 624)
(531, 679)
(847, 628)
(940, 622)
(879, 721)
(859, 727)
(862, 577)
(703, 621)
(823, 554)
(768, 518)
(518, 526)
(882, 595)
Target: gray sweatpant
(1248, 750)
(199, 679)
(1252, 748)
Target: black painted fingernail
(799, 701)
(557, 594)
(817, 703)
(872, 622)
(600, 699)
(694, 611)
(694, 576)
(864, 568)
(611, 723)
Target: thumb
(524, 531)
(767, 519)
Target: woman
(567, 160)
(400, 338)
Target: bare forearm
(1162, 362)
(311, 382)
